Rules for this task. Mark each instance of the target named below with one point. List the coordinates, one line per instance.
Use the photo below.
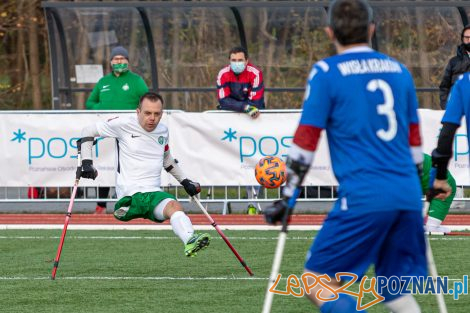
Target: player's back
(366, 102)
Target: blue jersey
(366, 102)
(458, 103)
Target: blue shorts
(351, 241)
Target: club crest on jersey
(161, 140)
(125, 87)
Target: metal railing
(221, 199)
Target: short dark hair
(152, 96)
(350, 20)
(238, 49)
(463, 31)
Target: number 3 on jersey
(385, 108)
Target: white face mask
(237, 67)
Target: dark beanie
(119, 50)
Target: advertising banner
(217, 148)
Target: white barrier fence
(217, 149)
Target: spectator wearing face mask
(240, 85)
(457, 65)
(240, 88)
(119, 90)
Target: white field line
(144, 237)
(153, 227)
(168, 227)
(433, 238)
(449, 238)
(228, 278)
(131, 278)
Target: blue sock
(344, 304)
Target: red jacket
(234, 91)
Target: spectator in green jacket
(119, 90)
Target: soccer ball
(270, 172)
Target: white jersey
(139, 154)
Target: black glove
(192, 188)
(88, 170)
(275, 212)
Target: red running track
(197, 219)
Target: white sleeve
(110, 128)
(171, 166)
(417, 154)
(89, 131)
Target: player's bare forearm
(442, 189)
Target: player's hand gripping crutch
(78, 174)
(429, 256)
(279, 212)
(217, 228)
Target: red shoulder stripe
(415, 136)
(307, 137)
